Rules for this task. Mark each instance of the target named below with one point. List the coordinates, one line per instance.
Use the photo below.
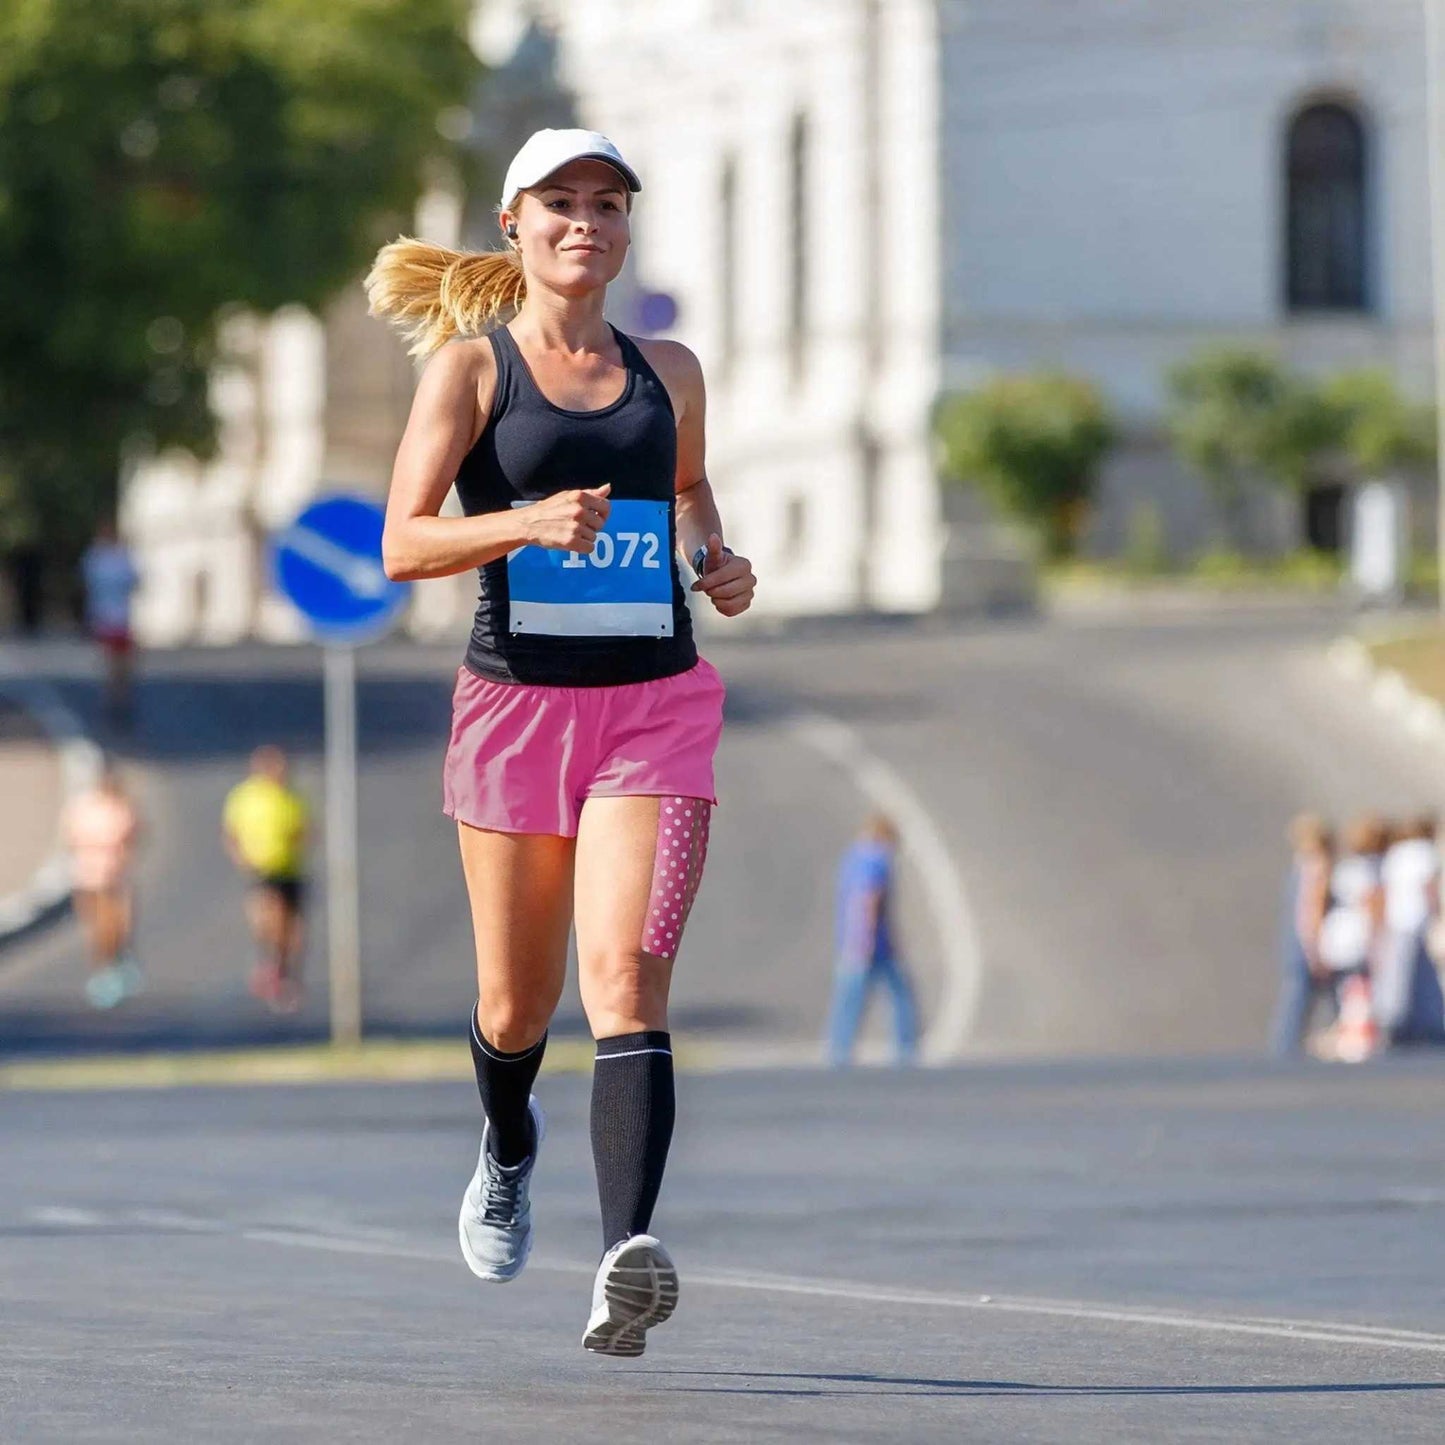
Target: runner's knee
(512, 1024)
(624, 990)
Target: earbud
(512, 231)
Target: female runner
(580, 768)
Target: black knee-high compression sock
(505, 1083)
(633, 1105)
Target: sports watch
(699, 559)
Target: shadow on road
(923, 1385)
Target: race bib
(623, 588)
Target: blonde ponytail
(432, 293)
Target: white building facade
(1102, 186)
(1126, 181)
(790, 206)
(860, 204)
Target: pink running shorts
(524, 759)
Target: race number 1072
(621, 551)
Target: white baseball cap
(546, 151)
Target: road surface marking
(1330, 1332)
(63, 1216)
(947, 1036)
(856, 1292)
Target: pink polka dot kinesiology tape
(682, 832)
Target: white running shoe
(636, 1288)
(105, 987)
(495, 1227)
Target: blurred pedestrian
(1304, 976)
(110, 579)
(101, 830)
(266, 828)
(1352, 935)
(867, 954)
(1407, 996)
(584, 724)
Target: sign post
(328, 563)
(343, 923)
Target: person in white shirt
(1352, 928)
(111, 579)
(1407, 997)
(1351, 939)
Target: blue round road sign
(328, 564)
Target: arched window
(1327, 222)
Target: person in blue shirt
(867, 956)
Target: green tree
(1033, 444)
(1378, 428)
(161, 160)
(1237, 416)
(1302, 442)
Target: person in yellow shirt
(265, 826)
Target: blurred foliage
(1221, 565)
(1146, 549)
(161, 160)
(1311, 567)
(1033, 444)
(1379, 429)
(1227, 414)
(1216, 569)
(1297, 446)
(1307, 569)
(1422, 578)
(1240, 416)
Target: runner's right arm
(451, 406)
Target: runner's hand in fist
(727, 579)
(568, 522)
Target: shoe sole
(641, 1292)
(489, 1272)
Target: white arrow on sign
(360, 575)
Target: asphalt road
(1110, 795)
(1086, 1253)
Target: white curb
(1422, 717)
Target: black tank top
(531, 449)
